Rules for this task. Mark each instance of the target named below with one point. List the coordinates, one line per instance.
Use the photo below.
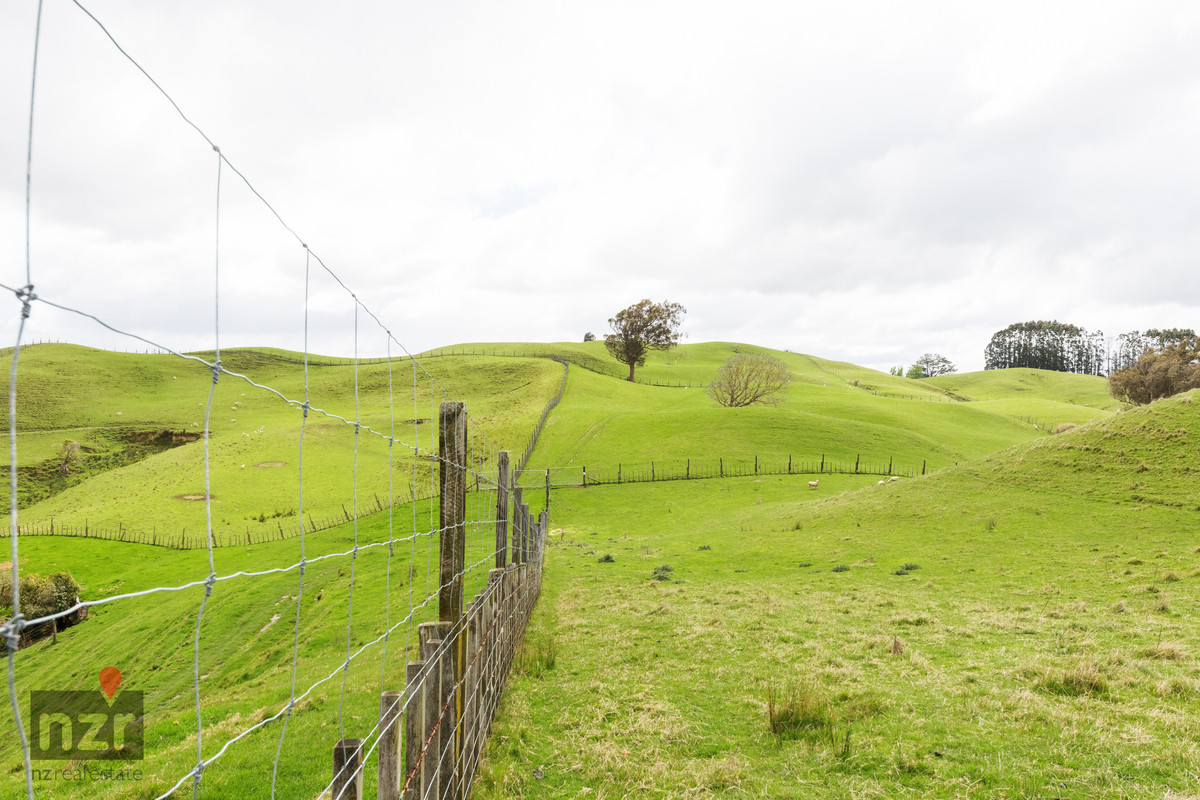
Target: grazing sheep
(893, 479)
(813, 484)
(880, 483)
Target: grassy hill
(1024, 625)
(1040, 641)
(112, 403)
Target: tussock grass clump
(1165, 651)
(841, 568)
(801, 710)
(1063, 427)
(910, 566)
(662, 573)
(606, 559)
(1082, 680)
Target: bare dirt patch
(269, 464)
(194, 496)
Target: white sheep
(880, 483)
(813, 484)
(893, 479)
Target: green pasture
(246, 645)
(1088, 391)
(1023, 626)
(1019, 622)
(96, 398)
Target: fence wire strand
(479, 464)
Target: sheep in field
(893, 479)
(880, 483)
(813, 484)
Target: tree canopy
(933, 364)
(1049, 345)
(1159, 373)
(643, 327)
(749, 378)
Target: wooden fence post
(415, 732)
(452, 440)
(547, 488)
(502, 510)
(922, 466)
(347, 770)
(518, 498)
(389, 745)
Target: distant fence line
(582, 360)
(537, 431)
(709, 468)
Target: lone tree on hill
(643, 327)
(750, 378)
(1159, 373)
(934, 364)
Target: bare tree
(643, 327)
(750, 378)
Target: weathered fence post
(347, 770)
(389, 745)
(517, 554)
(889, 465)
(452, 450)
(922, 466)
(856, 459)
(547, 488)
(502, 509)
(415, 732)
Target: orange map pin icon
(110, 681)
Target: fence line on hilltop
(582, 360)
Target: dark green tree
(643, 327)
(933, 364)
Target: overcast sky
(864, 181)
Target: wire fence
(708, 468)
(435, 582)
(582, 360)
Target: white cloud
(867, 181)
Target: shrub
(41, 596)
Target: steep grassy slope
(97, 397)
(1021, 626)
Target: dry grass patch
(1165, 651)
